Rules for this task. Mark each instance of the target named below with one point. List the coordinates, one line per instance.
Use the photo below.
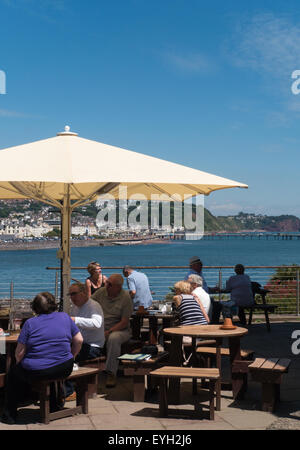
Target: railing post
(11, 307)
(56, 285)
(220, 282)
(297, 293)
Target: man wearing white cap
(196, 269)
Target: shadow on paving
(274, 344)
(201, 413)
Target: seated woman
(47, 346)
(191, 311)
(96, 279)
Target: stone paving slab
(113, 409)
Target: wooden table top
(12, 338)
(213, 331)
(155, 313)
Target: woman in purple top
(47, 346)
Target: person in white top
(199, 293)
(88, 316)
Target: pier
(252, 236)
(177, 236)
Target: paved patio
(114, 409)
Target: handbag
(151, 349)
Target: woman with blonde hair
(191, 311)
(96, 280)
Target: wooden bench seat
(139, 370)
(200, 343)
(212, 351)
(269, 372)
(166, 372)
(82, 378)
(94, 363)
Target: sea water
(27, 268)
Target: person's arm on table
(83, 322)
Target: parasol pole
(64, 253)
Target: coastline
(43, 245)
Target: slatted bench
(210, 352)
(188, 346)
(82, 378)
(95, 363)
(269, 372)
(166, 372)
(139, 369)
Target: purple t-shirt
(48, 340)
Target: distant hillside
(247, 221)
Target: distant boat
(126, 242)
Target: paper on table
(135, 357)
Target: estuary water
(27, 268)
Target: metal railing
(283, 282)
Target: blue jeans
(229, 308)
(87, 352)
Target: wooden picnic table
(10, 343)
(153, 316)
(238, 367)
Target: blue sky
(206, 84)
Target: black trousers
(19, 380)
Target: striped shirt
(190, 311)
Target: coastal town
(29, 221)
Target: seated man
(117, 308)
(196, 269)
(199, 293)
(88, 316)
(138, 286)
